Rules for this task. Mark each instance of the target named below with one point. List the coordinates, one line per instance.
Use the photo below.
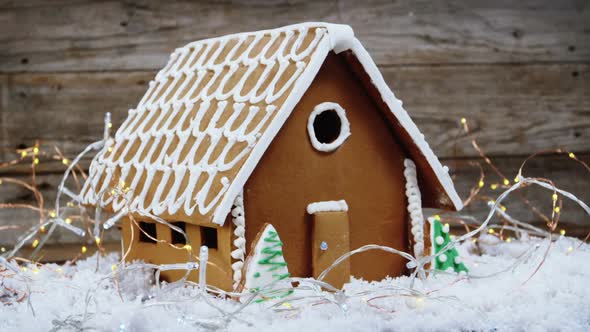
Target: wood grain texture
(512, 109)
(23, 219)
(65, 110)
(564, 172)
(138, 35)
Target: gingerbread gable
(210, 114)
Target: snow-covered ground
(555, 298)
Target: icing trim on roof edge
(395, 106)
(339, 38)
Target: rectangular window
(148, 228)
(209, 237)
(178, 238)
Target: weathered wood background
(519, 71)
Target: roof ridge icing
(179, 136)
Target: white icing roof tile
(197, 134)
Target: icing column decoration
(450, 260)
(414, 207)
(266, 266)
(239, 221)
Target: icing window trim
(344, 126)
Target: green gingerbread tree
(267, 266)
(450, 260)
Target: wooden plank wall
(519, 71)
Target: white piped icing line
(201, 118)
(180, 140)
(327, 206)
(395, 106)
(414, 207)
(344, 126)
(239, 254)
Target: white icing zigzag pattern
(182, 146)
(239, 254)
(414, 207)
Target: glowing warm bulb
(437, 217)
(58, 270)
(35, 150)
(3, 249)
(419, 302)
(35, 271)
(509, 240)
(516, 179)
(68, 221)
(562, 232)
(35, 243)
(23, 154)
(65, 161)
(503, 208)
(42, 228)
(494, 186)
(287, 305)
(570, 249)
(557, 209)
(463, 121)
(491, 231)
(188, 247)
(473, 240)
(84, 249)
(110, 149)
(36, 161)
(110, 125)
(554, 197)
(481, 184)
(571, 155)
(506, 182)
(114, 267)
(97, 240)
(52, 214)
(113, 192)
(24, 269)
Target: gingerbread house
(293, 126)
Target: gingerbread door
(330, 240)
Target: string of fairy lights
(75, 218)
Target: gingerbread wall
(366, 171)
(219, 272)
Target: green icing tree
(268, 266)
(450, 259)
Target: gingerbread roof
(197, 134)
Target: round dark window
(327, 126)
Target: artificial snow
(504, 293)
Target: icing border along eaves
(324, 47)
(395, 106)
(341, 37)
(338, 39)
